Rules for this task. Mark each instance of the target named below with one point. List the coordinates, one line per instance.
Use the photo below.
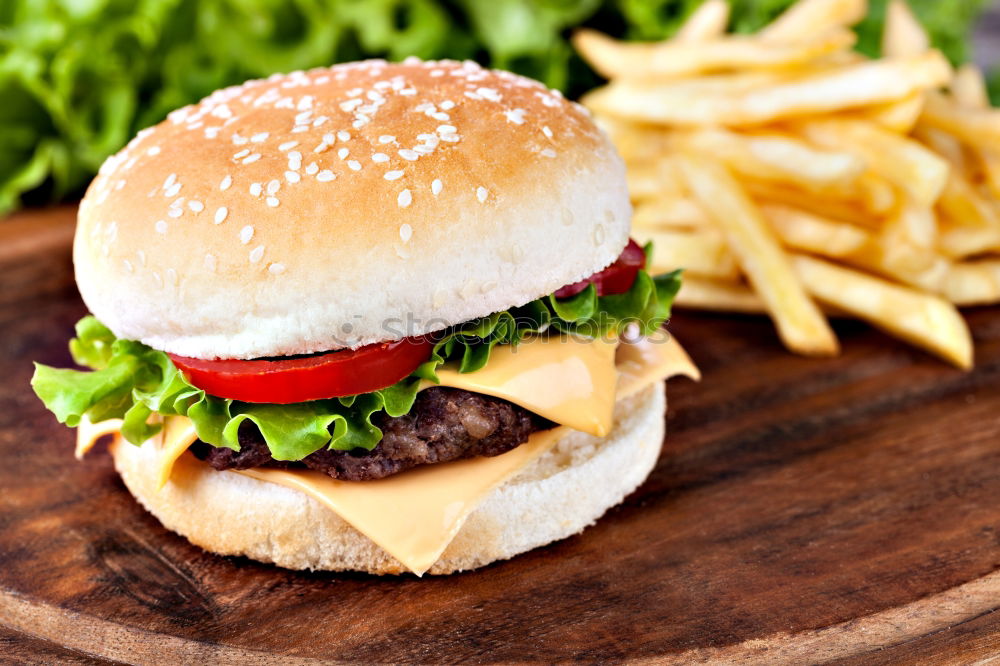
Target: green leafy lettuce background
(79, 77)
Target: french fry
(634, 60)
(839, 208)
(903, 35)
(654, 179)
(775, 157)
(705, 294)
(800, 323)
(805, 231)
(715, 102)
(705, 23)
(914, 223)
(669, 212)
(702, 253)
(974, 282)
(636, 143)
(859, 247)
(969, 90)
(900, 116)
(969, 87)
(924, 320)
(964, 206)
(809, 16)
(906, 163)
(979, 128)
(959, 242)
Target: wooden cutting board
(802, 511)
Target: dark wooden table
(842, 510)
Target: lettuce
(131, 381)
(77, 79)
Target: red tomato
(330, 375)
(616, 278)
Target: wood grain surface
(803, 511)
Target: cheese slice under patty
(414, 515)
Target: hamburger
(381, 317)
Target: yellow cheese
(415, 515)
(566, 379)
(88, 433)
(177, 436)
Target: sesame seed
(440, 115)
(175, 212)
(404, 199)
(256, 254)
(128, 265)
(436, 187)
(246, 233)
(256, 189)
(142, 255)
(226, 182)
(344, 135)
(446, 129)
(288, 145)
(343, 152)
(351, 104)
(272, 202)
(546, 131)
(173, 190)
(408, 154)
(386, 138)
(276, 268)
(548, 152)
(196, 206)
(405, 232)
(447, 105)
(273, 186)
(292, 176)
(260, 137)
(161, 228)
(251, 159)
(380, 157)
(312, 168)
(515, 116)
(481, 193)
(220, 214)
(393, 175)
(424, 149)
(243, 153)
(300, 128)
(354, 165)
(325, 175)
(170, 180)
(154, 150)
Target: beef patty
(444, 424)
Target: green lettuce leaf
(131, 381)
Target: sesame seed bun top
(349, 205)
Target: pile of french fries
(789, 175)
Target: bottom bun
(560, 494)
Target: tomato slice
(330, 375)
(616, 278)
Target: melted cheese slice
(414, 515)
(566, 379)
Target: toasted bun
(560, 494)
(344, 206)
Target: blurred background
(79, 77)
